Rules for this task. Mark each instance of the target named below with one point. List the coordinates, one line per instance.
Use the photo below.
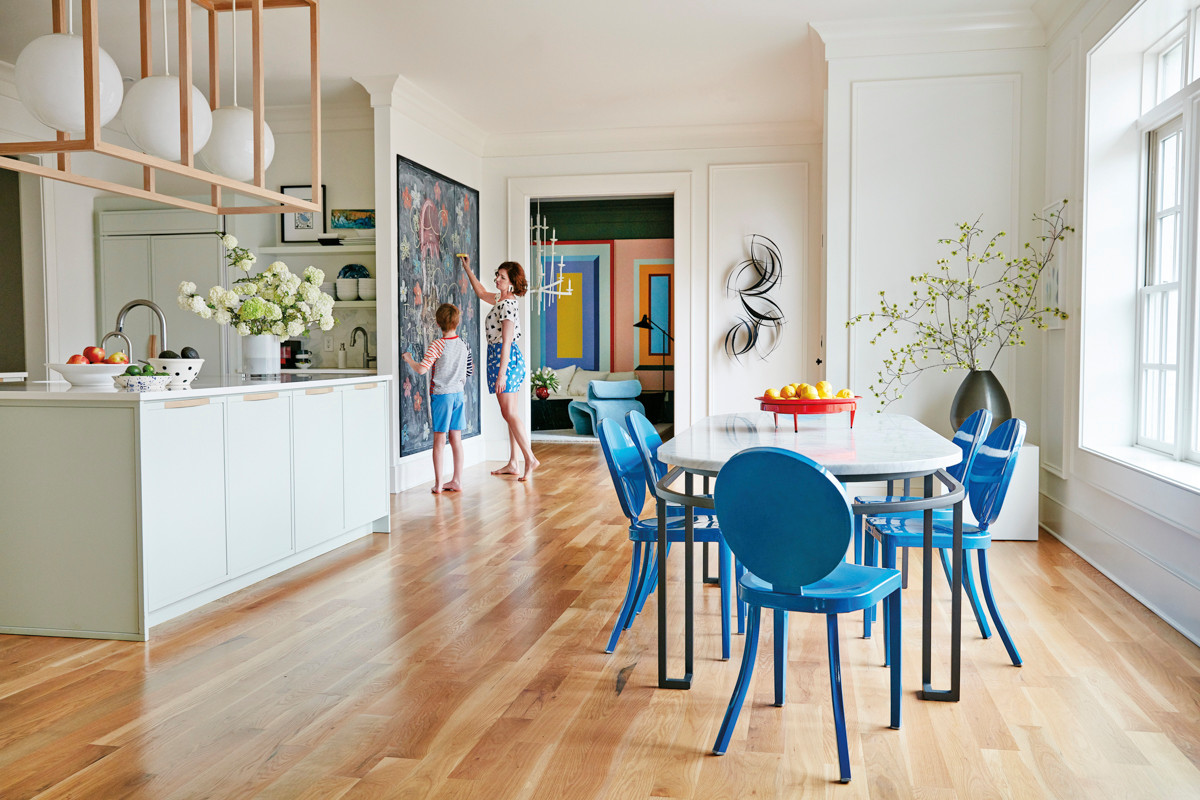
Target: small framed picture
(302, 226)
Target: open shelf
(316, 249)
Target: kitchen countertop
(61, 391)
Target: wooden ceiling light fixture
(91, 141)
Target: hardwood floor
(462, 656)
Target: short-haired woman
(505, 363)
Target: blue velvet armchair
(605, 400)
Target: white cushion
(581, 379)
(564, 376)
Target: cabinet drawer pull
(365, 385)
(195, 401)
(325, 390)
(250, 398)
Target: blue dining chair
(647, 441)
(789, 522)
(628, 477)
(987, 483)
(968, 437)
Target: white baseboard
(416, 469)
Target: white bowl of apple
(93, 367)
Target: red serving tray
(797, 406)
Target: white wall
(1137, 528)
(916, 144)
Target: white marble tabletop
(877, 445)
(203, 386)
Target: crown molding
(941, 33)
(615, 140)
(406, 98)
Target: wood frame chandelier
(91, 141)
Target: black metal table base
(689, 500)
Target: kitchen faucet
(367, 357)
(158, 312)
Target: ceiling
(522, 66)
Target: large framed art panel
(437, 218)
(577, 329)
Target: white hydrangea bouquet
(274, 301)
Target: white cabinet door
(317, 451)
(183, 498)
(365, 433)
(124, 275)
(259, 482)
(175, 259)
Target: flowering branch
(964, 321)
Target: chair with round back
(626, 470)
(987, 484)
(645, 437)
(968, 437)
(788, 521)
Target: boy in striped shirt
(450, 360)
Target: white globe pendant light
(230, 149)
(151, 116)
(151, 112)
(49, 77)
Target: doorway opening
(12, 299)
(617, 323)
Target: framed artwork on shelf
(302, 226)
(363, 219)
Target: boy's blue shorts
(447, 412)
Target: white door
(259, 489)
(195, 258)
(124, 276)
(364, 428)
(317, 450)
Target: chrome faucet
(367, 357)
(158, 312)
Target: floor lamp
(648, 324)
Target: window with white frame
(1168, 414)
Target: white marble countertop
(203, 386)
(877, 445)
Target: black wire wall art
(761, 320)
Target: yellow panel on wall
(570, 319)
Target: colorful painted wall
(614, 283)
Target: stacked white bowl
(366, 288)
(347, 288)
(328, 288)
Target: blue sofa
(605, 400)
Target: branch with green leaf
(964, 313)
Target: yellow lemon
(801, 388)
(845, 393)
(808, 392)
(824, 389)
(771, 394)
(787, 392)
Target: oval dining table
(880, 447)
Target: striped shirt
(453, 365)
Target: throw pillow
(564, 377)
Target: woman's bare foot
(435, 490)
(508, 469)
(530, 466)
(452, 486)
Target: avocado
(189, 352)
(168, 354)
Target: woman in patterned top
(505, 363)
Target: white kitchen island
(121, 510)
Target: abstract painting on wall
(361, 219)
(436, 218)
(575, 329)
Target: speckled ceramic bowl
(142, 383)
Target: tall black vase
(980, 389)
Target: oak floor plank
(461, 656)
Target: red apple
(78, 359)
(94, 354)
(117, 358)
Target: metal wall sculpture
(752, 280)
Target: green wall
(584, 220)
